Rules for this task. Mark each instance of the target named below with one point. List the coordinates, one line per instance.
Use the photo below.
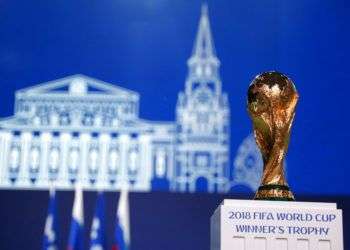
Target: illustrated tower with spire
(202, 117)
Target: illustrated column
(23, 175)
(45, 142)
(83, 171)
(63, 180)
(124, 140)
(102, 179)
(170, 163)
(145, 162)
(191, 180)
(5, 146)
(183, 165)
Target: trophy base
(274, 192)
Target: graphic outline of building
(80, 129)
(203, 115)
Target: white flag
(123, 217)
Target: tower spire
(204, 9)
(203, 64)
(204, 45)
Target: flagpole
(122, 230)
(76, 234)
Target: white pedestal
(275, 225)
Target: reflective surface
(272, 98)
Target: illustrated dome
(248, 164)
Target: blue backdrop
(143, 46)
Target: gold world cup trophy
(272, 98)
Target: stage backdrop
(153, 95)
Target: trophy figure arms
(272, 98)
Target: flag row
(97, 234)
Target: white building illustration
(203, 114)
(82, 130)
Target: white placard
(272, 225)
